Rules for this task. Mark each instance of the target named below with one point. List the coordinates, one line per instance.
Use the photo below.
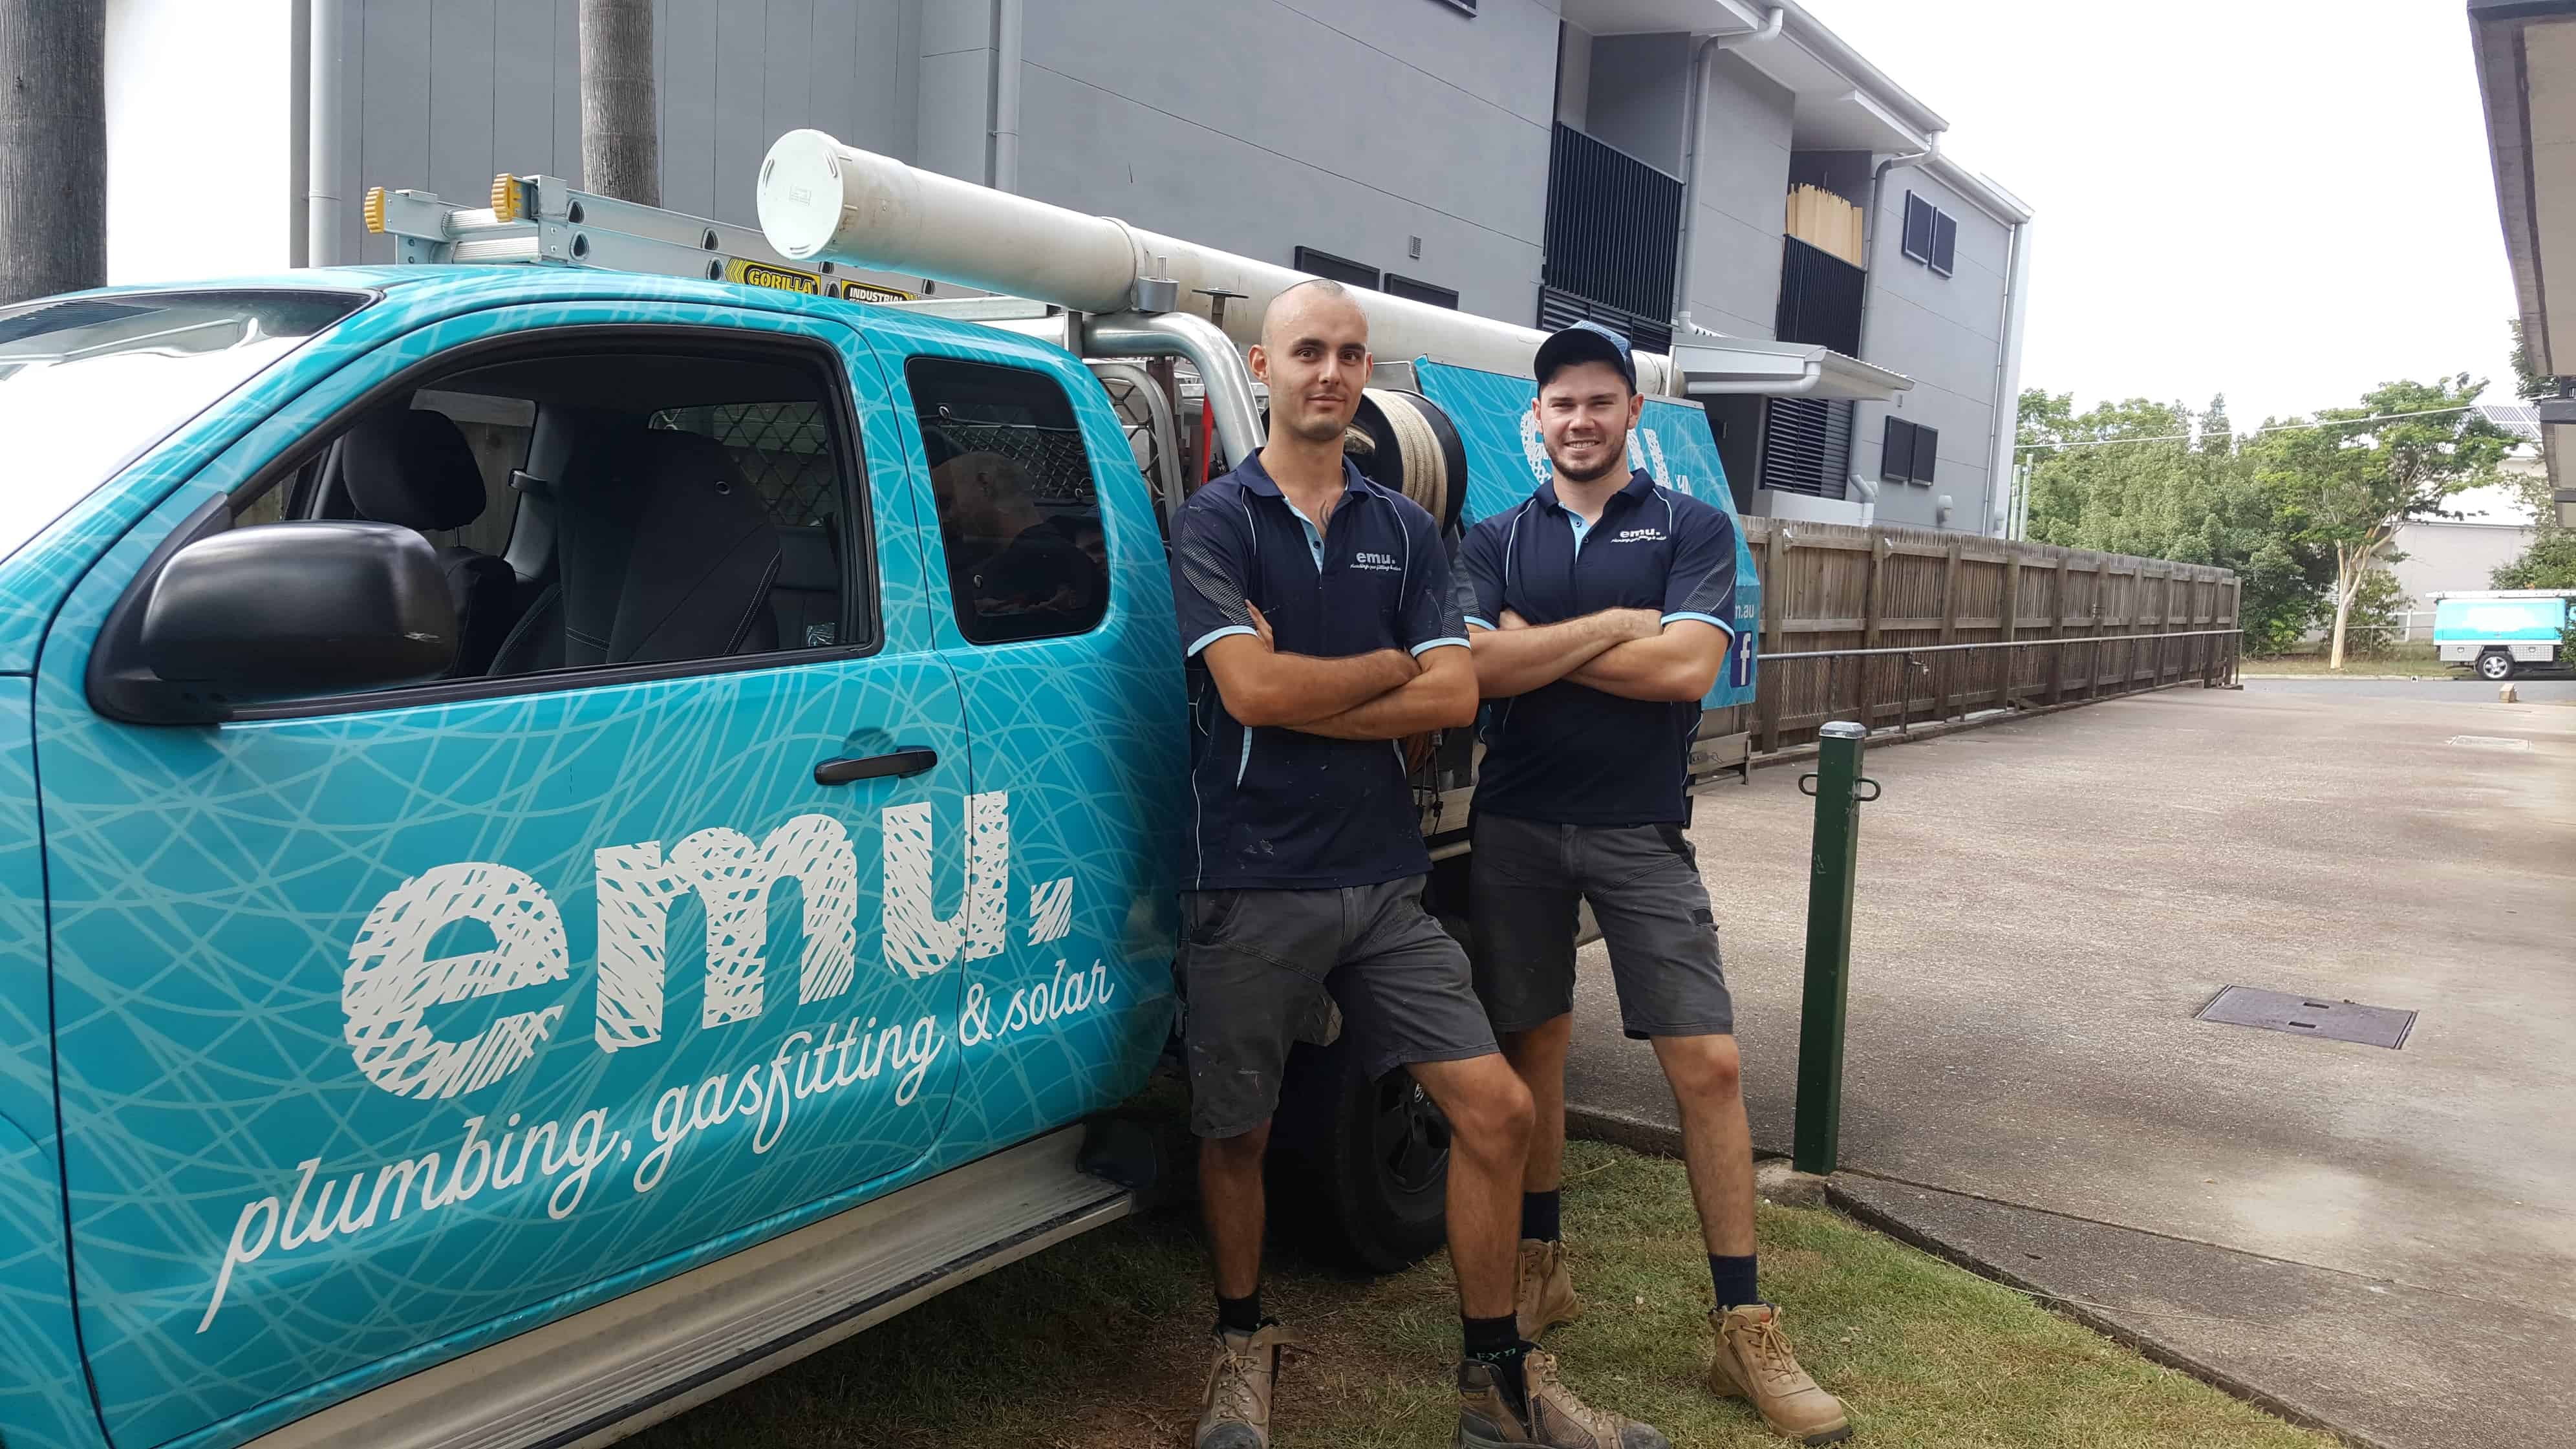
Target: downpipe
(1010, 31)
(322, 136)
(1703, 61)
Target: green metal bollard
(1840, 789)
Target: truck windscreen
(88, 383)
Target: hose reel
(1402, 441)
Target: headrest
(412, 468)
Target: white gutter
(1811, 35)
(1010, 29)
(322, 136)
(1702, 61)
(1980, 193)
(1736, 366)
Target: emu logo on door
(392, 981)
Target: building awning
(1724, 366)
(2526, 59)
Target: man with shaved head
(1316, 612)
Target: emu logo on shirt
(1366, 560)
(1638, 535)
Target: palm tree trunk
(621, 141)
(53, 147)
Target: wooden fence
(1832, 588)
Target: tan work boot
(1754, 1362)
(1547, 1289)
(1237, 1411)
(1550, 1415)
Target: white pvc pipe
(823, 201)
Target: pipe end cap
(799, 194)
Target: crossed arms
(1631, 653)
(1388, 694)
(1385, 695)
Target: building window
(1340, 269)
(1407, 287)
(1561, 309)
(1806, 446)
(1908, 453)
(1931, 235)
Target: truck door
(1053, 606)
(392, 1024)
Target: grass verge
(1101, 1344)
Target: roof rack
(545, 219)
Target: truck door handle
(911, 760)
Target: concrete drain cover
(2381, 1026)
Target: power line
(2277, 428)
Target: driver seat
(414, 469)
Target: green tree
(2527, 384)
(2347, 482)
(2156, 480)
(2550, 561)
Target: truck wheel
(2495, 664)
(1360, 1166)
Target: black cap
(1585, 342)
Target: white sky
(2288, 201)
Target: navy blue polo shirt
(1273, 808)
(1565, 753)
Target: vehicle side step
(610, 1371)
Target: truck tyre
(2495, 664)
(1358, 1167)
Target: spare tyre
(1359, 1166)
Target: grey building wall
(1942, 332)
(1254, 125)
(1637, 94)
(1346, 125)
(1741, 202)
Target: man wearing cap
(1600, 610)
(1320, 627)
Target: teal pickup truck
(568, 836)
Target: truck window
(1019, 515)
(704, 512)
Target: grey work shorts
(1643, 882)
(1260, 969)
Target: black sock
(1539, 1216)
(1734, 1280)
(1239, 1315)
(1497, 1342)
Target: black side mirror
(273, 612)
